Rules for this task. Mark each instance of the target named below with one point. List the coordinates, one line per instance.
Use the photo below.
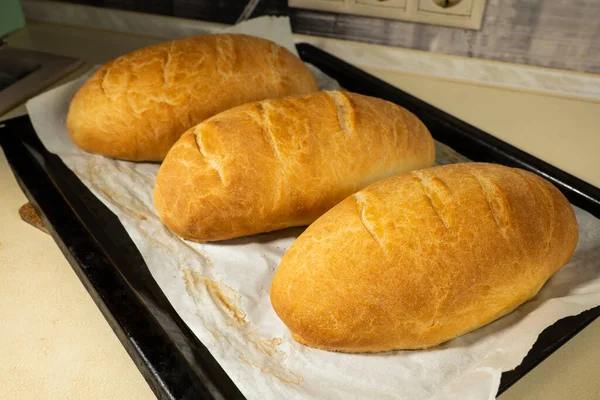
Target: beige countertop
(56, 344)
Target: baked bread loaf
(138, 105)
(420, 258)
(279, 163)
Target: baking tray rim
(551, 339)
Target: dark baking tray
(173, 361)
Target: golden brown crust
(279, 163)
(137, 106)
(418, 259)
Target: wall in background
(562, 34)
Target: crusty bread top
(137, 106)
(417, 259)
(279, 163)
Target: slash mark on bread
(365, 222)
(438, 195)
(345, 112)
(264, 120)
(495, 201)
(209, 160)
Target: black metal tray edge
(163, 379)
(173, 361)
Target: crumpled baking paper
(221, 290)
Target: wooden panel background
(562, 34)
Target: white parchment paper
(221, 290)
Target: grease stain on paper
(263, 353)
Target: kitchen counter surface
(56, 344)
